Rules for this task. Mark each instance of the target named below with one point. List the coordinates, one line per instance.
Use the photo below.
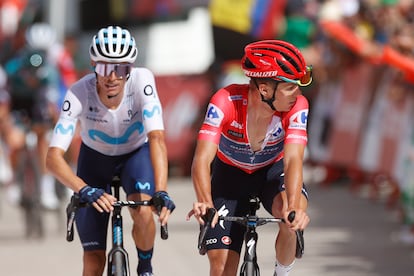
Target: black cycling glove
(162, 199)
(90, 195)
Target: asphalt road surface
(348, 235)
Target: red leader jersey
(225, 124)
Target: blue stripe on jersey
(241, 153)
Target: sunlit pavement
(348, 235)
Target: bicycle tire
(30, 200)
(249, 269)
(118, 265)
(34, 226)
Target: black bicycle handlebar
(75, 203)
(164, 228)
(300, 242)
(71, 209)
(207, 218)
(245, 220)
(131, 203)
(211, 212)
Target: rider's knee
(94, 261)
(278, 206)
(142, 215)
(223, 262)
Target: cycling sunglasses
(105, 69)
(303, 81)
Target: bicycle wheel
(117, 265)
(33, 221)
(249, 269)
(30, 199)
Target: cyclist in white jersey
(122, 133)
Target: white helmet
(113, 44)
(40, 36)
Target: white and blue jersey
(110, 132)
(114, 141)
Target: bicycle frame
(118, 259)
(251, 221)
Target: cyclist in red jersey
(252, 143)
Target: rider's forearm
(200, 172)
(293, 169)
(159, 159)
(293, 184)
(57, 165)
(204, 155)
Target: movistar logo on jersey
(65, 131)
(214, 115)
(94, 134)
(150, 113)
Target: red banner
(183, 99)
(350, 114)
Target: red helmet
(277, 60)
